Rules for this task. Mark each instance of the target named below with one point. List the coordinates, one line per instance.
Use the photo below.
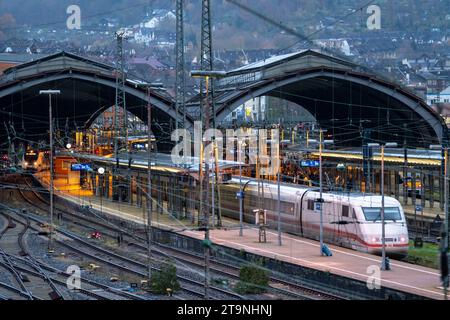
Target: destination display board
(80, 167)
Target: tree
(165, 279)
(252, 280)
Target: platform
(344, 262)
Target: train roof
(294, 189)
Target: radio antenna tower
(180, 85)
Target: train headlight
(35, 164)
(375, 239)
(402, 239)
(26, 163)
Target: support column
(413, 188)
(138, 191)
(441, 192)
(359, 180)
(160, 196)
(389, 181)
(397, 185)
(94, 183)
(107, 191)
(405, 186)
(130, 190)
(422, 189)
(431, 187)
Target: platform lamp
(101, 172)
(241, 194)
(68, 147)
(445, 236)
(384, 262)
(50, 93)
(321, 143)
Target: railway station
(91, 176)
(323, 177)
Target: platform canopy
(88, 87)
(344, 97)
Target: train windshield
(390, 213)
(31, 156)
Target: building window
(66, 165)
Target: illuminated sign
(310, 163)
(80, 167)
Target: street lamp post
(445, 236)
(322, 142)
(101, 171)
(50, 93)
(149, 186)
(446, 195)
(241, 192)
(279, 189)
(384, 265)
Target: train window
(311, 205)
(344, 211)
(374, 214)
(354, 213)
(286, 207)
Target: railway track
(36, 268)
(12, 247)
(289, 289)
(16, 292)
(92, 288)
(88, 221)
(128, 265)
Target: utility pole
(444, 243)
(241, 191)
(149, 186)
(321, 142)
(279, 188)
(383, 222)
(321, 191)
(50, 117)
(205, 193)
(206, 65)
(204, 175)
(180, 86)
(120, 103)
(384, 262)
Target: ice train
(351, 220)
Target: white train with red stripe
(351, 220)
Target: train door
(298, 212)
(347, 225)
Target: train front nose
(396, 243)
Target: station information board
(310, 163)
(80, 167)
